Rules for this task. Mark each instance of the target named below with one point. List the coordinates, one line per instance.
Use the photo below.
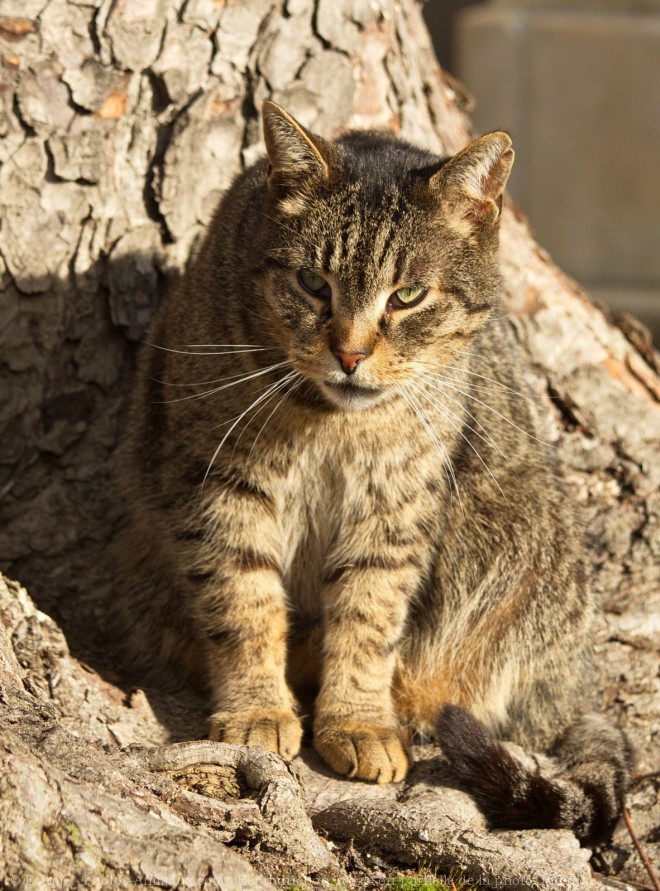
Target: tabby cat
(340, 491)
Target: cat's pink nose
(350, 361)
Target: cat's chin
(352, 397)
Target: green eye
(314, 283)
(405, 297)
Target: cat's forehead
(358, 220)
(368, 233)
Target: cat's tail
(585, 794)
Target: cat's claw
(277, 730)
(364, 751)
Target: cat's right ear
(294, 153)
(472, 182)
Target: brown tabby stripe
(387, 215)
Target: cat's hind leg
(510, 651)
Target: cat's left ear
(294, 153)
(472, 183)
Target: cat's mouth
(349, 394)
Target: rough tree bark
(121, 124)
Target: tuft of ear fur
(472, 182)
(294, 153)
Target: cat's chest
(327, 493)
(312, 504)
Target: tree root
(275, 786)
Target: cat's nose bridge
(350, 343)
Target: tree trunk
(122, 124)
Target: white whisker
(217, 380)
(236, 348)
(499, 414)
(478, 387)
(294, 386)
(490, 379)
(273, 392)
(254, 404)
(444, 456)
(445, 412)
(242, 377)
(224, 346)
(487, 438)
(251, 393)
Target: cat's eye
(402, 298)
(314, 283)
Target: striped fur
(361, 548)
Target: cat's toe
(277, 730)
(364, 751)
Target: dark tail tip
(587, 797)
(509, 795)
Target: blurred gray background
(577, 84)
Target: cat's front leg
(241, 612)
(365, 606)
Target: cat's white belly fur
(321, 492)
(310, 519)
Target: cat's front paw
(365, 751)
(277, 730)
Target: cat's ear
(294, 153)
(472, 183)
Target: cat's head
(380, 258)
